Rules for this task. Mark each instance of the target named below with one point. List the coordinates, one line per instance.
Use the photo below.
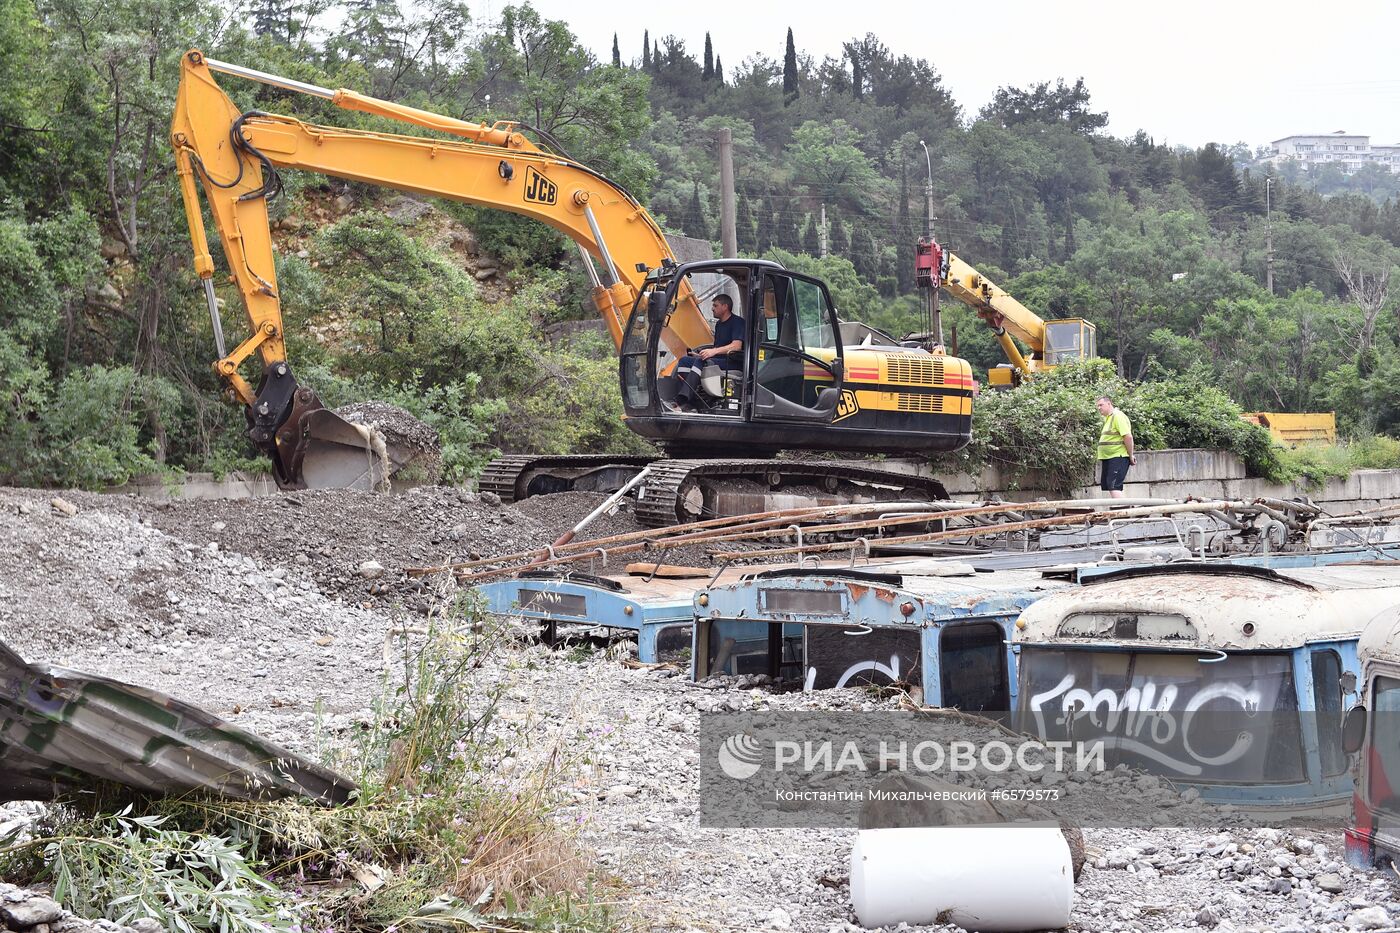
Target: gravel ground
(268, 622)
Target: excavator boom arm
(234, 157)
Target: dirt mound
(328, 534)
(416, 445)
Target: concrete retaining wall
(1158, 474)
(1175, 474)
(235, 485)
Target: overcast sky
(1188, 72)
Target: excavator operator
(728, 339)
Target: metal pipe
(1087, 519)
(608, 503)
(214, 320)
(602, 246)
(252, 74)
(588, 264)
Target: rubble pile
(326, 534)
(261, 611)
(27, 911)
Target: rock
(31, 912)
(291, 223)
(1281, 886)
(1207, 917)
(778, 919)
(343, 204)
(405, 210)
(371, 570)
(621, 791)
(486, 272)
(111, 248)
(466, 240)
(63, 507)
(1368, 918)
(107, 294)
(490, 498)
(147, 925)
(1330, 882)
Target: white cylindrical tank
(985, 878)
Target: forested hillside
(104, 344)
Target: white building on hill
(1346, 150)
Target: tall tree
(765, 234)
(646, 50)
(695, 225)
(1040, 103)
(857, 77)
(811, 240)
(790, 70)
(904, 237)
(840, 241)
(617, 53)
(744, 230)
(709, 73)
(719, 70)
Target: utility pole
(728, 221)
(821, 232)
(1268, 235)
(935, 316)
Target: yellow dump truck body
(1295, 428)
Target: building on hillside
(1345, 150)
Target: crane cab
(796, 383)
(1066, 340)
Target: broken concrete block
(371, 570)
(63, 507)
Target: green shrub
(1049, 424)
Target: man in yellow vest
(1115, 448)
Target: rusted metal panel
(1225, 608)
(62, 731)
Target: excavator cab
(787, 377)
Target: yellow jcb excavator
(1050, 342)
(803, 380)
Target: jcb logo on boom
(539, 189)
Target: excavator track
(686, 490)
(520, 476)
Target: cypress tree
(904, 237)
(811, 240)
(646, 50)
(857, 77)
(743, 223)
(719, 70)
(709, 73)
(840, 243)
(789, 71)
(788, 236)
(695, 217)
(617, 53)
(863, 255)
(763, 230)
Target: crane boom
(1050, 342)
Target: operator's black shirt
(726, 332)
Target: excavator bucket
(339, 454)
(369, 446)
